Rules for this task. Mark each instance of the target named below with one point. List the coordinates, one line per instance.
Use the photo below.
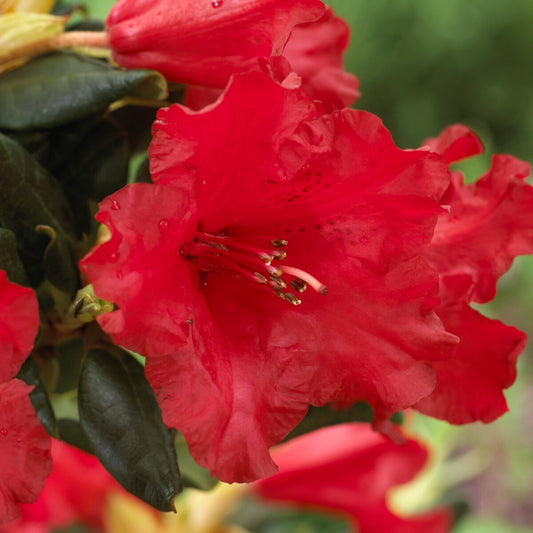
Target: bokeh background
(423, 65)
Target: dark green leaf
(9, 258)
(29, 373)
(60, 267)
(62, 87)
(121, 418)
(95, 162)
(70, 431)
(30, 197)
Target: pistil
(243, 257)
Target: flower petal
(315, 51)
(350, 469)
(456, 142)
(203, 42)
(24, 449)
(470, 385)
(490, 222)
(19, 324)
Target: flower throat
(243, 257)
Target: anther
(279, 292)
(260, 278)
(298, 285)
(274, 271)
(279, 243)
(292, 298)
(278, 282)
(266, 258)
(279, 254)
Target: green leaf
(95, 163)
(60, 267)
(29, 373)
(10, 259)
(70, 431)
(121, 418)
(30, 197)
(62, 87)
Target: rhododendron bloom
(24, 444)
(255, 200)
(350, 469)
(488, 224)
(203, 42)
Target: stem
(68, 39)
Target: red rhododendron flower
(75, 492)
(349, 469)
(315, 52)
(488, 224)
(24, 444)
(203, 42)
(196, 265)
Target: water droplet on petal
(163, 224)
(363, 240)
(115, 206)
(114, 257)
(216, 3)
(3, 432)
(120, 275)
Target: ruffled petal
(140, 268)
(350, 469)
(456, 142)
(226, 154)
(203, 42)
(470, 385)
(490, 222)
(19, 323)
(315, 51)
(24, 449)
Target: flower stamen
(233, 255)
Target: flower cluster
(24, 444)
(282, 253)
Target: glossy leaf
(73, 87)
(122, 421)
(30, 197)
(59, 262)
(29, 373)
(71, 432)
(10, 259)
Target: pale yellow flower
(33, 6)
(196, 512)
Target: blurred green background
(424, 64)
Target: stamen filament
(304, 276)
